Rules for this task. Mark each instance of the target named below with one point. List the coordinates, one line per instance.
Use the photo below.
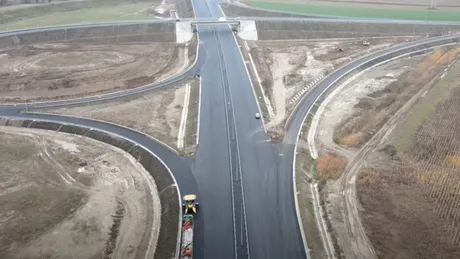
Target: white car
(257, 115)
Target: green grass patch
(121, 12)
(430, 15)
(425, 108)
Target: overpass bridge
(246, 29)
(185, 28)
(233, 23)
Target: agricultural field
(52, 71)
(21, 16)
(168, 114)
(423, 154)
(283, 70)
(393, 131)
(364, 9)
(63, 195)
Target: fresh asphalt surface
(234, 153)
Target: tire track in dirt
(357, 243)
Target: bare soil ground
(387, 92)
(157, 113)
(285, 68)
(60, 70)
(65, 196)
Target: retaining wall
(153, 32)
(281, 30)
(167, 239)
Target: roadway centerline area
(239, 213)
(218, 114)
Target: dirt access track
(65, 195)
(402, 217)
(87, 61)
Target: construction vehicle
(190, 206)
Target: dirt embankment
(52, 71)
(373, 107)
(287, 70)
(184, 8)
(161, 113)
(284, 30)
(65, 195)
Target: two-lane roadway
(247, 202)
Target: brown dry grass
(329, 166)
(400, 219)
(413, 210)
(359, 128)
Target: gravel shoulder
(65, 195)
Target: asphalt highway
(249, 200)
(216, 159)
